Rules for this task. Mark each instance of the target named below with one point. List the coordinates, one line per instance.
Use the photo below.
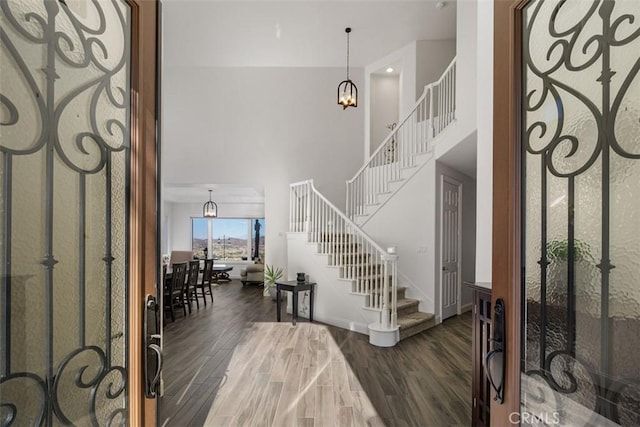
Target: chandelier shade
(210, 208)
(347, 94)
(347, 90)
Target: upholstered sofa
(252, 274)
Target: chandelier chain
(348, 53)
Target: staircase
(408, 147)
(351, 257)
(410, 320)
(367, 272)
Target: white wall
(385, 98)
(166, 228)
(485, 140)
(410, 221)
(407, 221)
(268, 125)
(432, 58)
(466, 60)
(406, 58)
(334, 304)
(421, 62)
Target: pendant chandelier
(210, 209)
(347, 90)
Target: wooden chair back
(208, 271)
(194, 270)
(179, 273)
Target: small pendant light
(210, 209)
(347, 90)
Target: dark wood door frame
(143, 267)
(506, 194)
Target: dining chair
(192, 283)
(174, 291)
(204, 285)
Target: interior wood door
(77, 147)
(566, 180)
(450, 251)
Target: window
(199, 236)
(228, 238)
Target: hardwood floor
(231, 364)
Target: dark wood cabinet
(481, 330)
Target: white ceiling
(221, 193)
(295, 33)
(298, 33)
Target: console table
(294, 287)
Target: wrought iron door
(64, 171)
(581, 211)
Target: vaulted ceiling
(298, 33)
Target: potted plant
(558, 257)
(271, 275)
(558, 250)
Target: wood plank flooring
(231, 364)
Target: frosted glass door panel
(581, 211)
(64, 166)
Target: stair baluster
(433, 113)
(361, 259)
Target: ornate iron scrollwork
(65, 40)
(561, 37)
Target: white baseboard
(466, 307)
(361, 328)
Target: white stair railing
(432, 113)
(372, 271)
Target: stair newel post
(388, 262)
(394, 292)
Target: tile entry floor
(231, 364)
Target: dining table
(219, 273)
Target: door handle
(153, 359)
(153, 384)
(496, 357)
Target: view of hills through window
(228, 238)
